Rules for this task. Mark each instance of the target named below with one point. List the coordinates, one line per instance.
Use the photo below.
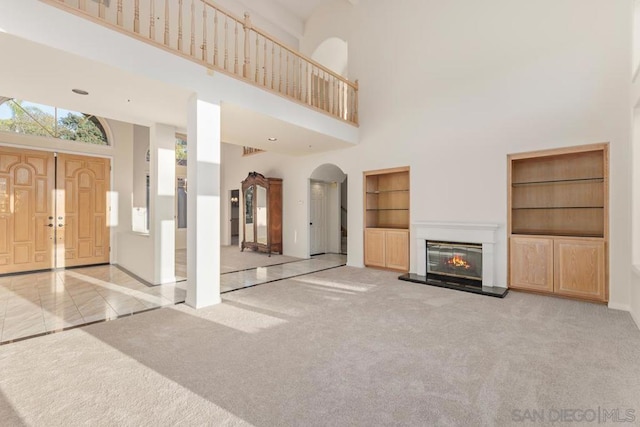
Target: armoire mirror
(262, 217)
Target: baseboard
(621, 307)
(636, 318)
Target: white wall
(451, 88)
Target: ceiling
(44, 75)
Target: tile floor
(45, 302)
(37, 303)
(247, 278)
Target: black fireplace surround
(455, 265)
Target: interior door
(82, 234)
(26, 210)
(318, 219)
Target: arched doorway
(328, 210)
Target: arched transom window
(42, 120)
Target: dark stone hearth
(481, 290)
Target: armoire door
(26, 210)
(48, 219)
(82, 234)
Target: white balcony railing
(207, 34)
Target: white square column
(203, 203)
(162, 180)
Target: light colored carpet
(231, 259)
(341, 347)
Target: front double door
(53, 210)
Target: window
(42, 120)
(181, 150)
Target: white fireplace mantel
(461, 232)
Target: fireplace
(455, 262)
(443, 259)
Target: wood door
(81, 217)
(374, 247)
(26, 210)
(397, 249)
(580, 268)
(531, 264)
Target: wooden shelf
(571, 181)
(388, 191)
(560, 207)
(386, 218)
(558, 221)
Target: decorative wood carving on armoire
(262, 213)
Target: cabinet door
(531, 264)
(397, 249)
(580, 268)
(374, 247)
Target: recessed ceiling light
(80, 91)
(272, 139)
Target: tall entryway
(53, 210)
(327, 210)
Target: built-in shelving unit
(558, 216)
(386, 218)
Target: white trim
(621, 307)
(635, 318)
(462, 232)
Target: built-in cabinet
(262, 213)
(386, 218)
(558, 216)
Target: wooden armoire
(262, 213)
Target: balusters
(339, 99)
(180, 25)
(307, 79)
(257, 58)
(136, 17)
(119, 13)
(192, 40)
(332, 98)
(152, 20)
(204, 32)
(246, 26)
(226, 42)
(264, 65)
(101, 10)
(215, 37)
(293, 76)
(299, 80)
(235, 56)
(355, 102)
(273, 64)
(287, 81)
(323, 91)
(280, 70)
(166, 23)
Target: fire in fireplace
(451, 261)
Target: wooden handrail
(191, 27)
